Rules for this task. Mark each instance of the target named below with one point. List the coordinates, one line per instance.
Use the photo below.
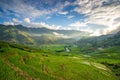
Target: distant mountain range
(36, 36)
(101, 41)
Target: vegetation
(109, 57)
(101, 41)
(11, 34)
(53, 57)
(20, 63)
(37, 36)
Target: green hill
(93, 58)
(11, 34)
(109, 57)
(25, 63)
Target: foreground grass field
(24, 63)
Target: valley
(59, 39)
(46, 63)
(44, 54)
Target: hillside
(24, 63)
(101, 41)
(25, 35)
(59, 39)
(42, 30)
(93, 58)
(11, 34)
(109, 57)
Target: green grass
(110, 57)
(6, 73)
(45, 65)
(52, 47)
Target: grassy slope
(109, 57)
(19, 63)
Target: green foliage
(109, 57)
(6, 73)
(42, 65)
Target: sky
(99, 17)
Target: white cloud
(70, 17)
(57, 34)
(23, 9)
(32, 24)
(105, 16)
(100, 14)
(41, 24)
(27, 20)
(97, 13)
(8, 23)
(78, 24)
(48, 17)
(63, 13)
(60, 35)
(86, 6)
(15, 20)
(44, 25)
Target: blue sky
(95, 16)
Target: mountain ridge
(38, 35)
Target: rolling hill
(24, 63)
(90, 58)
(25, 35)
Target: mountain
(11, 34)
(43, 30)
(52, 62)
(101, 41)
(26, 35)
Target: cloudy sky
(96, 16)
